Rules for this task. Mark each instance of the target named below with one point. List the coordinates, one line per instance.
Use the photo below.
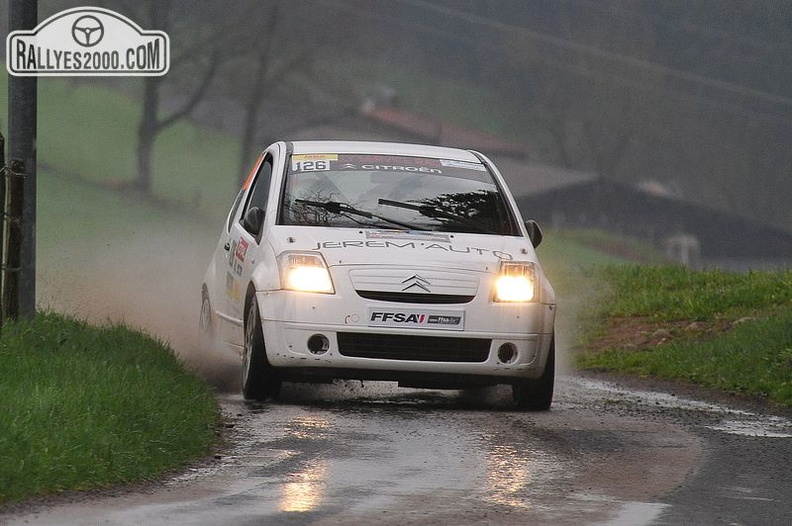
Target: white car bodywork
(406, 299)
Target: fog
(151, 283)
(691, 99)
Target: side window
(261, 186)
(234, 209)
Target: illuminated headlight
(516, 282)
(305, 272)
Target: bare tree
(281, 52)
(590, 110)
(268, 72)
(204, 50)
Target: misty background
(693, 97)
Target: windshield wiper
(436, 212)
(337, 207)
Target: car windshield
(395, 192)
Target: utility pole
(22, 129)
(2, 225)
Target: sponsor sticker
(412, 318)
(391, 160)
(411, 235)
(414, 245)
(87, 41)
(313, 162)
(315, 157)
(233, 289)
(463, 164)
(310, 166)
(241, 250)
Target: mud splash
(149, 281)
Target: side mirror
(534, 232)
(253, 220)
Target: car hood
(347, 246)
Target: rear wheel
(537, 395)
(259, 379)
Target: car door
(244, 238)
(223, 290)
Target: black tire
(537, 395)
(259, 380)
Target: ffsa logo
(398, 317)
(417, 319)
(87, 41)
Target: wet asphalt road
(372, 453)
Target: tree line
(694, 95)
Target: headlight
(305, 272)
(516, 282)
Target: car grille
(415, 285)
(416, 348)
(406, 297)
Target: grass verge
(112, 406)
(721, 330)
(89, 130)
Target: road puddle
(719, 417)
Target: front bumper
(479, 342)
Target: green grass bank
(726, 331)
(87, 407)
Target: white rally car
(381, 261)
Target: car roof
(383, 148)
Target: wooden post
(11, 271)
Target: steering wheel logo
(87, 31)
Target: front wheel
(537, 395)
(259, 379)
